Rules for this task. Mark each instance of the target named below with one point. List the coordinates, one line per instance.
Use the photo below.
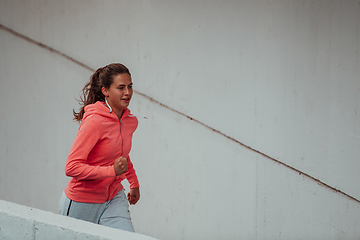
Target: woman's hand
(120, 165)
(133, 196)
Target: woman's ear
(105, 91)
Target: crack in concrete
(320, 183)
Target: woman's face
(120, 92)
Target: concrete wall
(253, 128)
(21, 222)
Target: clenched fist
(120, 165)
(133, 196)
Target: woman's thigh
(90, 212)
(116, 214)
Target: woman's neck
(118, 112)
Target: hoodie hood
(100, 108)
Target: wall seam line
(182, 114)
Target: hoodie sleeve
(76, 164)
(131, 175)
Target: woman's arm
(131, 175)
(134, 194)
(76, 164)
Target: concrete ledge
(21, 222)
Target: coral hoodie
(101, 139)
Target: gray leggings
(114, 213)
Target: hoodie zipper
(122, 139)
(122, 150)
